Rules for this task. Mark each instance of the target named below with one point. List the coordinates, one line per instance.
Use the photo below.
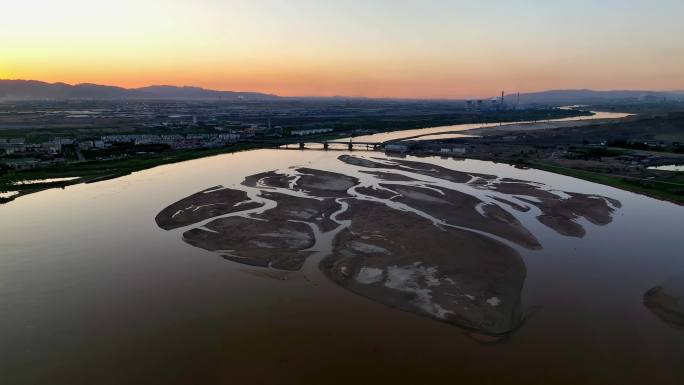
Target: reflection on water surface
(412, 235)
(369, 258)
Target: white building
(396, 148)
(311, 132)
(453, 151)
(229, 137)
(85, 145)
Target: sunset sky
(381, 48)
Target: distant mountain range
(35, 90)
(567, 97)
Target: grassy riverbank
(95, 171)
(672, 190)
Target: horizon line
(347, 96)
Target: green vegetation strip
(95, 171)
(670, 191)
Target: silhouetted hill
(35, 90)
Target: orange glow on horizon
(355, 48)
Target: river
(93, 291)
(443, 132)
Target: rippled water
(92, 291)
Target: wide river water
(443, 132)
(92, 291)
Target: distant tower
(502, 98)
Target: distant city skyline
(397, 49)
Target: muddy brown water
(92, 291)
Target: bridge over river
(328, 144)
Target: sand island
(412, 235)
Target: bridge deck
(352, 142)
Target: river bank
(514, 128)
(622, 153)
(91, 171)
(94, 171)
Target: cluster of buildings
(18, 145)
(55, 146)
(13, 145)
(493, 104)
(404, 147)
(177, 141)
(22, 155)
(174, 141)
(313, 131)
